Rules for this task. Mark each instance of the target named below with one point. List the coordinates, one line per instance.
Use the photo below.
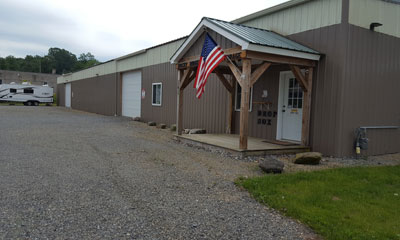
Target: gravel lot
(72, 175)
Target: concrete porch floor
(230, 143)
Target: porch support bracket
(256, 74)
(300, 77)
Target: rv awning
(249, 38)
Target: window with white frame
(156, 94)
(238, 97)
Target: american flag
(211, 56)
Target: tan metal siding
(99, 70)
(303, 17)
(327, 100)
(96, 95)
(363, 13)
(209, 112)
(371, 90)
(167, 75)
(153, 56)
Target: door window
(295, 95)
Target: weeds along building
(311, 71)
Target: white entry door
(290, 108)
(131, 94)
(68, 95)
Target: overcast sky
(108, 29)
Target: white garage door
(131, 94)
(68, 95)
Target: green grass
(345, 203)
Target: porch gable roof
(249, 38)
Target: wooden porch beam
(279, 59)
(305, 130)
(258, 72)
(228, 51)
(300, 77)
(244, 104)
(224, 81)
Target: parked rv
(30, 95)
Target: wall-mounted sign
(143, 93)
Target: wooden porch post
(305, 130)
(231, 106)
(184, 78)
(179, 111)
(305, 82)
(244, 104)
(230, 87)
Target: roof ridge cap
(238, 24)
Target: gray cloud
(33, 30)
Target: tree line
(61, 60)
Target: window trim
(251, 98)
(152, 94)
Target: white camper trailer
(26, 93)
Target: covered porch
(229, 142)
(251, 53)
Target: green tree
(59, 59)
(64, 60)
(32, 64)
(85, 60)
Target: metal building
(355, 78)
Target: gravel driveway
(72, 175)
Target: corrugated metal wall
(371, 90)
(363, 13)
(300, 18)
(209, 112)
(327, 96)
(61, 95)
(96, 95)
(167, 75)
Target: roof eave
(283, 52)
